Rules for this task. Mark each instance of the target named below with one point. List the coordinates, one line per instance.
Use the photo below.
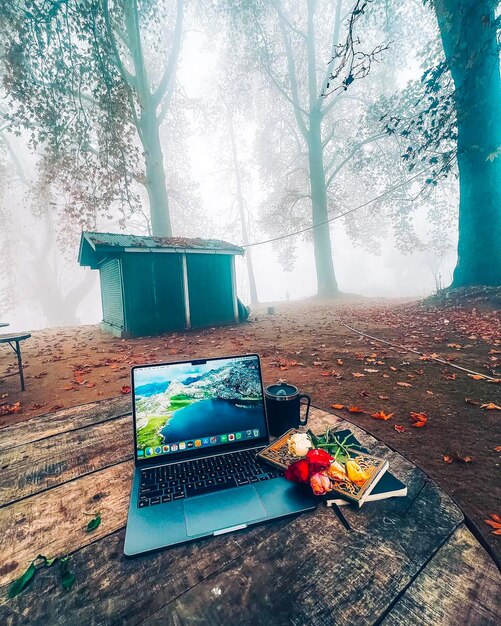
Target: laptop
(198, 426)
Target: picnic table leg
(20, 364)
(17, 350)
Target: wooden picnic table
(406, 561)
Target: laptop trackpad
(223, 509)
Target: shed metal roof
(94, 246)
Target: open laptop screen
(183, 407)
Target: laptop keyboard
(200, 476)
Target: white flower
(299, 444)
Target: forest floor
(459, 446)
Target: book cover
(387, 487)
(278, 454)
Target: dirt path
(304, 344)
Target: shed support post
(186, 293)
(234, 288)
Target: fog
(369, 256)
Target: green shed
(153, 285)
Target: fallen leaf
(339, 361)
(371, 371)
(383, 397)
(125, 389)
(448, 458)
(476, 376)
(419, 424)
(317, 363)
(90, 385)
(355, 409)
(418, 417)
(494, 521)
(490, 406)
(381, 415)
(430, 393)
(357, 374)
(497, 449)
(93, 523)
(399, 429)
(404, 384)
(325, 373)
(337, 406)
(450, 376)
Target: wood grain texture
(300, 570)
(461, 586)
(53, 522)
(63, 421)
(34, 467)
(262, 561)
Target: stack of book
(379, 485)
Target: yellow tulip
(356, 474)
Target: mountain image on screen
(198, 405)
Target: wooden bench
(405, 561)
(14, 342)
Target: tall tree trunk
(241, 211)
(468, 34)
(149, 125)
(155, 182)
(327, 285)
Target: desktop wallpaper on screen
(185, 406)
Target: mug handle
(308, 402)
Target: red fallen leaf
(464, 459)
(337, 406)
(77, 373)
(355, 409)
(69, 388)
(79, 380)
(497, 449)
(490, 406)
(448, 458)
(381, 415)
(494, 521)
(125, 389)
(399, 429)
(476, 376)
(418, 417)
(419, 424)
(325, 373)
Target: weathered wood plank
(306, 569)
(62, 421)
(53, 523)
(459, 587)
(34, 467)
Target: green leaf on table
(94, 523)
(67, 577)
(20, 583)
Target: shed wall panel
(169, 297)
(153, 293)
(111, 293)
(210, 289)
